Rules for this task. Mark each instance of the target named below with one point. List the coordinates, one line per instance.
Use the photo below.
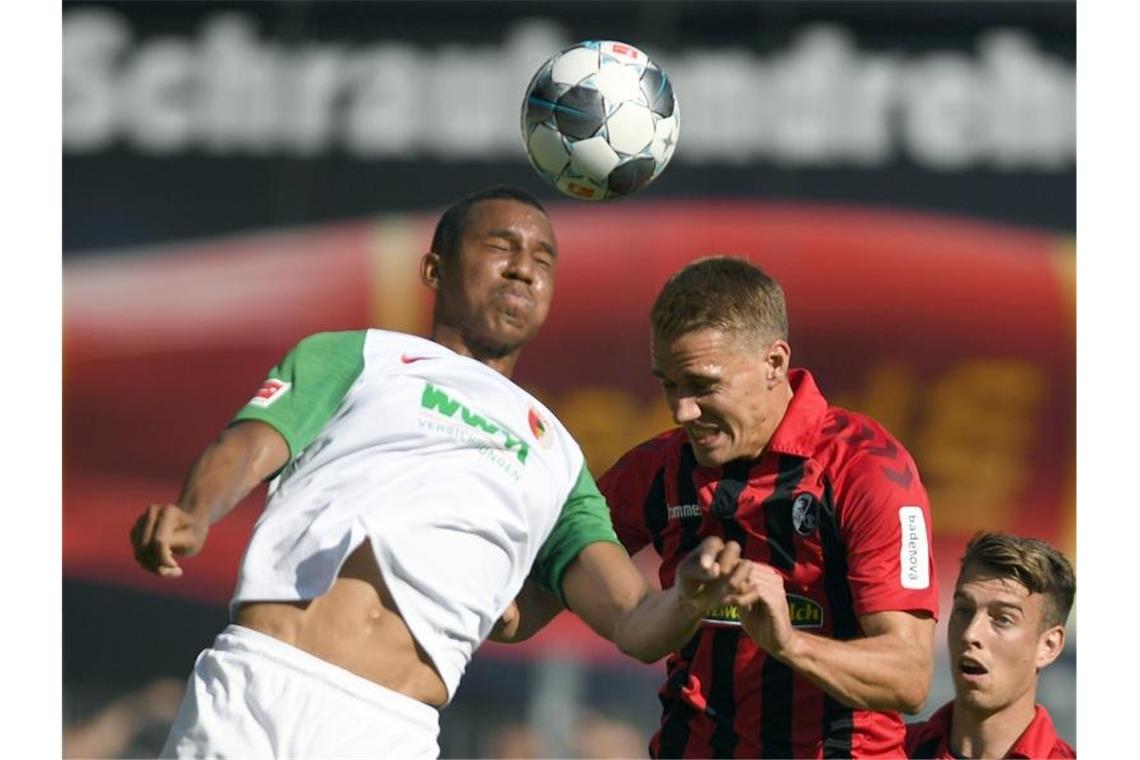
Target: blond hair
(724, 293)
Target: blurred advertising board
(183, 119)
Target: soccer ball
(599, 120)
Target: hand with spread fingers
(163, 532)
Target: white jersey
(461, 479)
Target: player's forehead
(702, 353)
(509, 218)
(981, 585)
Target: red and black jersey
(835, 504)
(931, 739)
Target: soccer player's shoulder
(1062, 749)
(634, 470)
(848, 435)
(649, 454)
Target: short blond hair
(1033, 563)
(721, 292)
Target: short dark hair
(1033, 563)
(453, 223)
(722, 292)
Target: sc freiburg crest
(805, 514)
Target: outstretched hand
(714, 574)
(164, 531)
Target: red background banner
(957, 335)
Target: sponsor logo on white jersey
(271, 390)
(539, 428)
(914, 554)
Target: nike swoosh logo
(409, 359)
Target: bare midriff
(356, 626)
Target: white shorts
(252, 695)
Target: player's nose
(685, 410)
(520, 266)
(971, 632)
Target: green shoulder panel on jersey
(302, 393)
(585, 519)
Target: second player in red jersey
(825, 500)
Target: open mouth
(702, 437)
(970, 667)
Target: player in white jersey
(414, 489)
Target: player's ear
(1049, 646)
(430, 269)
(778, 358)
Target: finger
(747, 598)
(136, 536)
(164, 536)
(741, 576)
(144, 553)
(709, 549)
(729, 557)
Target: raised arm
(241, 457)
(298, 398)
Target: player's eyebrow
(514, 237)
(696, 378)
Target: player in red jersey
(827, 505)
(824, 499)
(1008, 622)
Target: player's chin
(505, 337)
(972, 692)
(516, 329)
(709, 454)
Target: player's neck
(780, 410)
(454, 339)
(980, 734)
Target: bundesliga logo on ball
(599, 120)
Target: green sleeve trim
(585, 519)
(318, 373)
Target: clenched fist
(164, 531)
(714, 574)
